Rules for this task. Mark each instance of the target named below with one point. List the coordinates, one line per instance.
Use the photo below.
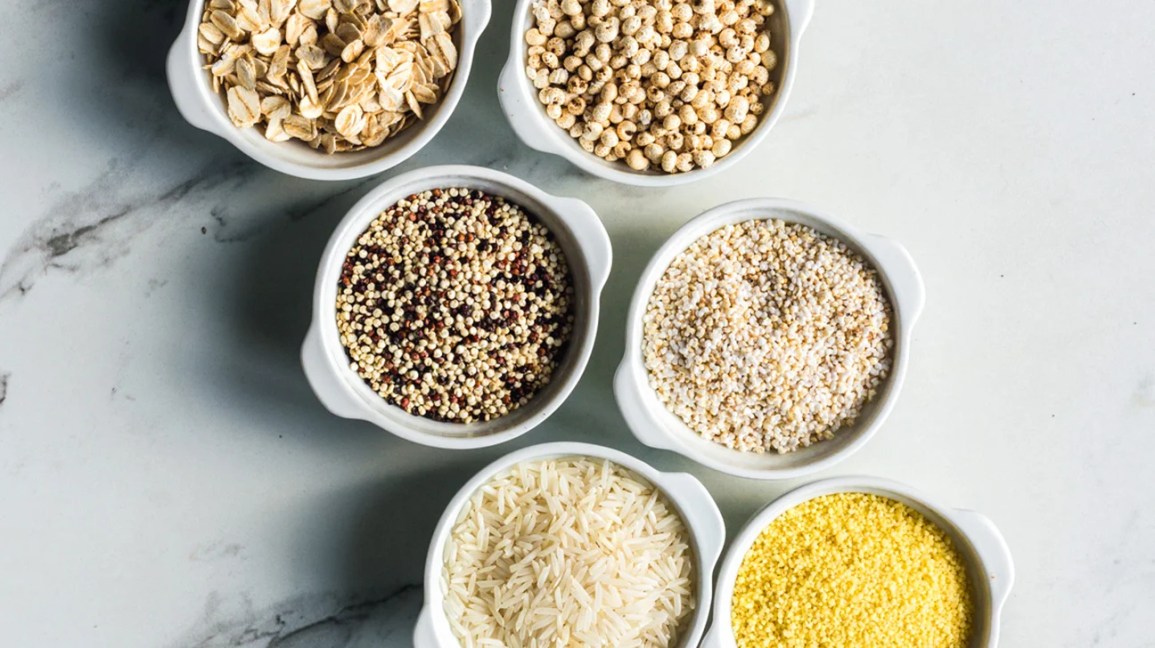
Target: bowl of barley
(861, 562)
(456, 306)
(650, 93)
(325, 89)
(767, 339)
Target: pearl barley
(766, 336)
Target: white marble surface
(167, 479)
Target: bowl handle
(800, 12)
(994, 553)
(423, 635)
(184, 81)
(628, 393)
(591, 236)
(710, 528)
(909, 291)
(713, 638)
(476, 15)
(320, 375)
(531, 128)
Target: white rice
(568, 552)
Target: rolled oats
(340, 75)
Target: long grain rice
(568, 552)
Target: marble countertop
(167, 479)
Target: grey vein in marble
(303, 623)
(102, 219)
(10, 89)
(4, 377)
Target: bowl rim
(204, 109)
(976, 539)
(345, 394)
(528, 119)
(654, 425)
(690, 498)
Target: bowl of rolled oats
(767, 339)
(456, 306)
(650, 92)
(325, 89)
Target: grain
(766, 336)
(340, 75)
(666, 86)
(852, 570)
(574, 551)
(455, 305)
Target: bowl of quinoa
(767, 339)
(456, 306)
(860, 562)
(650, 93)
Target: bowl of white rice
(572, 544)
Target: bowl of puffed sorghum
(767, 340)
(650, 92)
(325, 89)
(884, 566)
(456, 306)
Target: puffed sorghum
(767, 336)
(455, 305)
(686, 78)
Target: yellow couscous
(852, 570)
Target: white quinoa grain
(767, 336)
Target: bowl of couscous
(861, 561)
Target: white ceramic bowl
(527, 115)
(656, 426)
(989, 565)
(576, 228)
(692, 501)
(205, 109)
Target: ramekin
(587, 248)
(692, 501)
(528, 119)
(205, 109)
(978, 541)
(654, 425)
